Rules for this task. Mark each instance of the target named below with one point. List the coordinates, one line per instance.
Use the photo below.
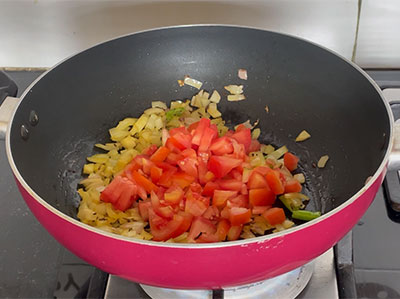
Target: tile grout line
(353, 56)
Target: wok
(305, 87)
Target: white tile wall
(39, 33)
(379, 34)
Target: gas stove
(363, 265)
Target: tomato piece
(261, 197)
(150, 150)
(258, 210)
(220, 166)
(194, 206)
(208, 136)
(164, 166)
(147, 166)
(196, 187)
(144, 207)
(209, 188)
(181, 130)
(189, 166)
(161, 154)
(274, 182)
(189, 153)
(238, 216)
(262, 170)
(181, 140)
(121, 192)
(230, 184)
(254, 146)
(167, 230)
(198, 132)
(187, 222)
(225, 213)
(257, 181)
(193, 127)
(222, 229)
(243, 136)
(239, 150)
(221, 146)
(144, 182)
(236, 174)
(200, 225)
(241, 201)
(292, 186)
(113, 191)
(244, 189)
(207, 238)
(182, 179)
(174, 158)
(234, 232)
(155, 174)
(274, 216)
(141, 192)
(221, 196)
(165, 179)
(173, 195)
(162, 211)
(290, 161)
(212, 213)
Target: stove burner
(288, 285)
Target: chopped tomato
(261, 197)
(230, 184)
(182, 130)
(182, 179)
(160, 155)
(165, 179)
(173, 195)
(243, 136)
(221, 146)
(208, 136)
(292, 185)
(257, 181)
(225, 213)
(199, 131)
(258, 210)
(201, 226)
(189, 153)
(164, 166)
(238, 216)
(262, 170)
(144, 207)
(121, 192)
(147, 166)
(274, 216)
(212, 213)
(220, 166)
(274, 182)
(196, 187)
(254, 146)
(221, 196)
(168, 229)
(174, 158)
(234, 232)
(209, 188)
(193, 127)
(189, 166)
(144, 182)
(194, 204)
(241, 201)
(150, 150)
(155, 174)
(162, 211)
(181, 140)
(290, 161)
(222, 229)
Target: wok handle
(8, 90)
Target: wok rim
(245, 242)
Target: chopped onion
(304, 135)
(267, 149)
(152, 111)
(234, 89)
(300, 178)
(158, 104)
(322, 161)
(181, 83)
(236, 97)
(256, 133)
(193, 82)
(278, 153)
(242, 74)
(215, 97)
(266, 108)
(212, 109)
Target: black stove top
(33, 264)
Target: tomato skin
(160, 155)
(220, 166)
(221, 146)
(201, 225)
(222, 229)
(209, 188)
(230, 184)
(261, 197)
(274, 216)
(274, 182)
(290, 161)
(155, 174)
(292, 186)
(221, 196)
(234, 232)
(238, 216)
(257, 181)
(243, 136)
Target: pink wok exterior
(204, 266)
